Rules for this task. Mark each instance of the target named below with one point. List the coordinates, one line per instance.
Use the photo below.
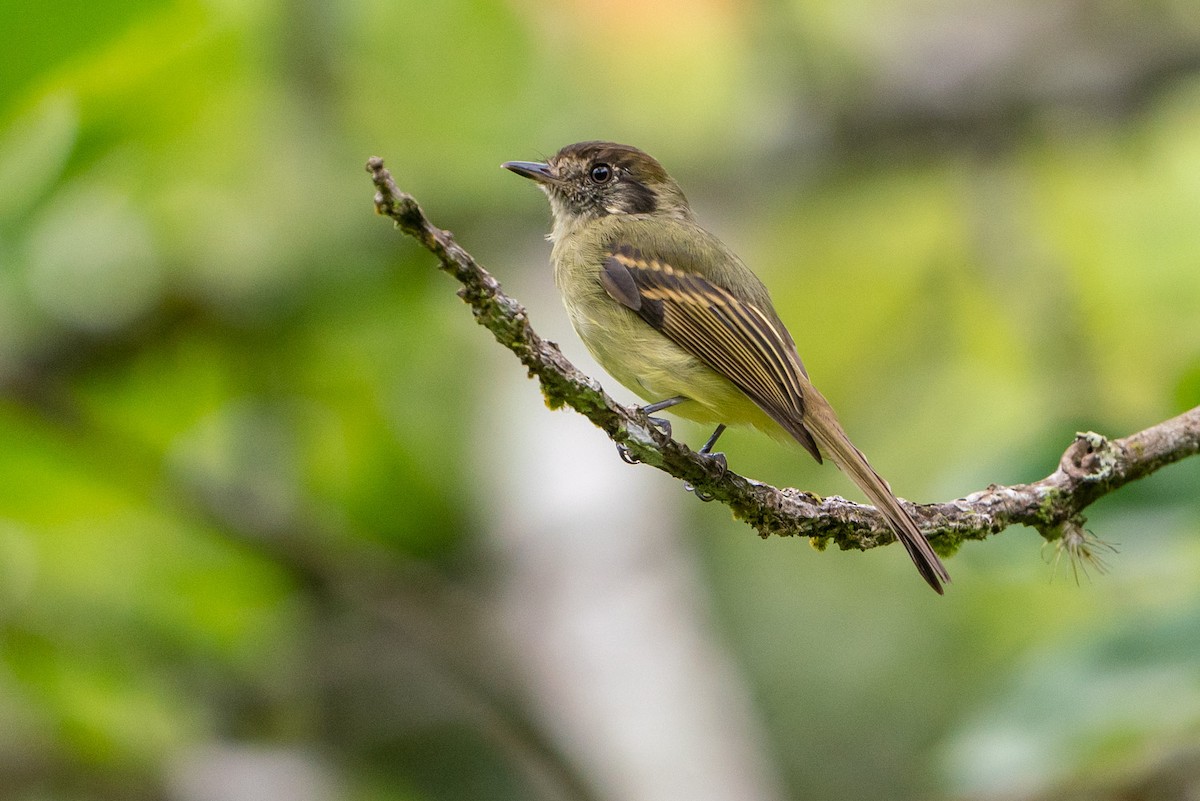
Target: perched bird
(674, 315)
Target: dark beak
(534, 170)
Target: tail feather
(821, 425)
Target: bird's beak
(534, 170)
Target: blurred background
(279, 521)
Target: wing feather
(734, 337)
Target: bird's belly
(655, 368)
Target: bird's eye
(601, 173)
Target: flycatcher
(674, 315)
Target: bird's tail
(822, 425)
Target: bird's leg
(706, 449)
(661, 424)
(716, 435)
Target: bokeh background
(279, 521)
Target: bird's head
(589, 180)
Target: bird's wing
(735, 337)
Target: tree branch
(1091, 467)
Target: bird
(674, 315)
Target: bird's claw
(723, 466)
(662, 424)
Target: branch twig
(1091, 467)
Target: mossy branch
(1091, 467)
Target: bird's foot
(723, 467)
(663, 425)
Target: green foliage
(243, 424)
